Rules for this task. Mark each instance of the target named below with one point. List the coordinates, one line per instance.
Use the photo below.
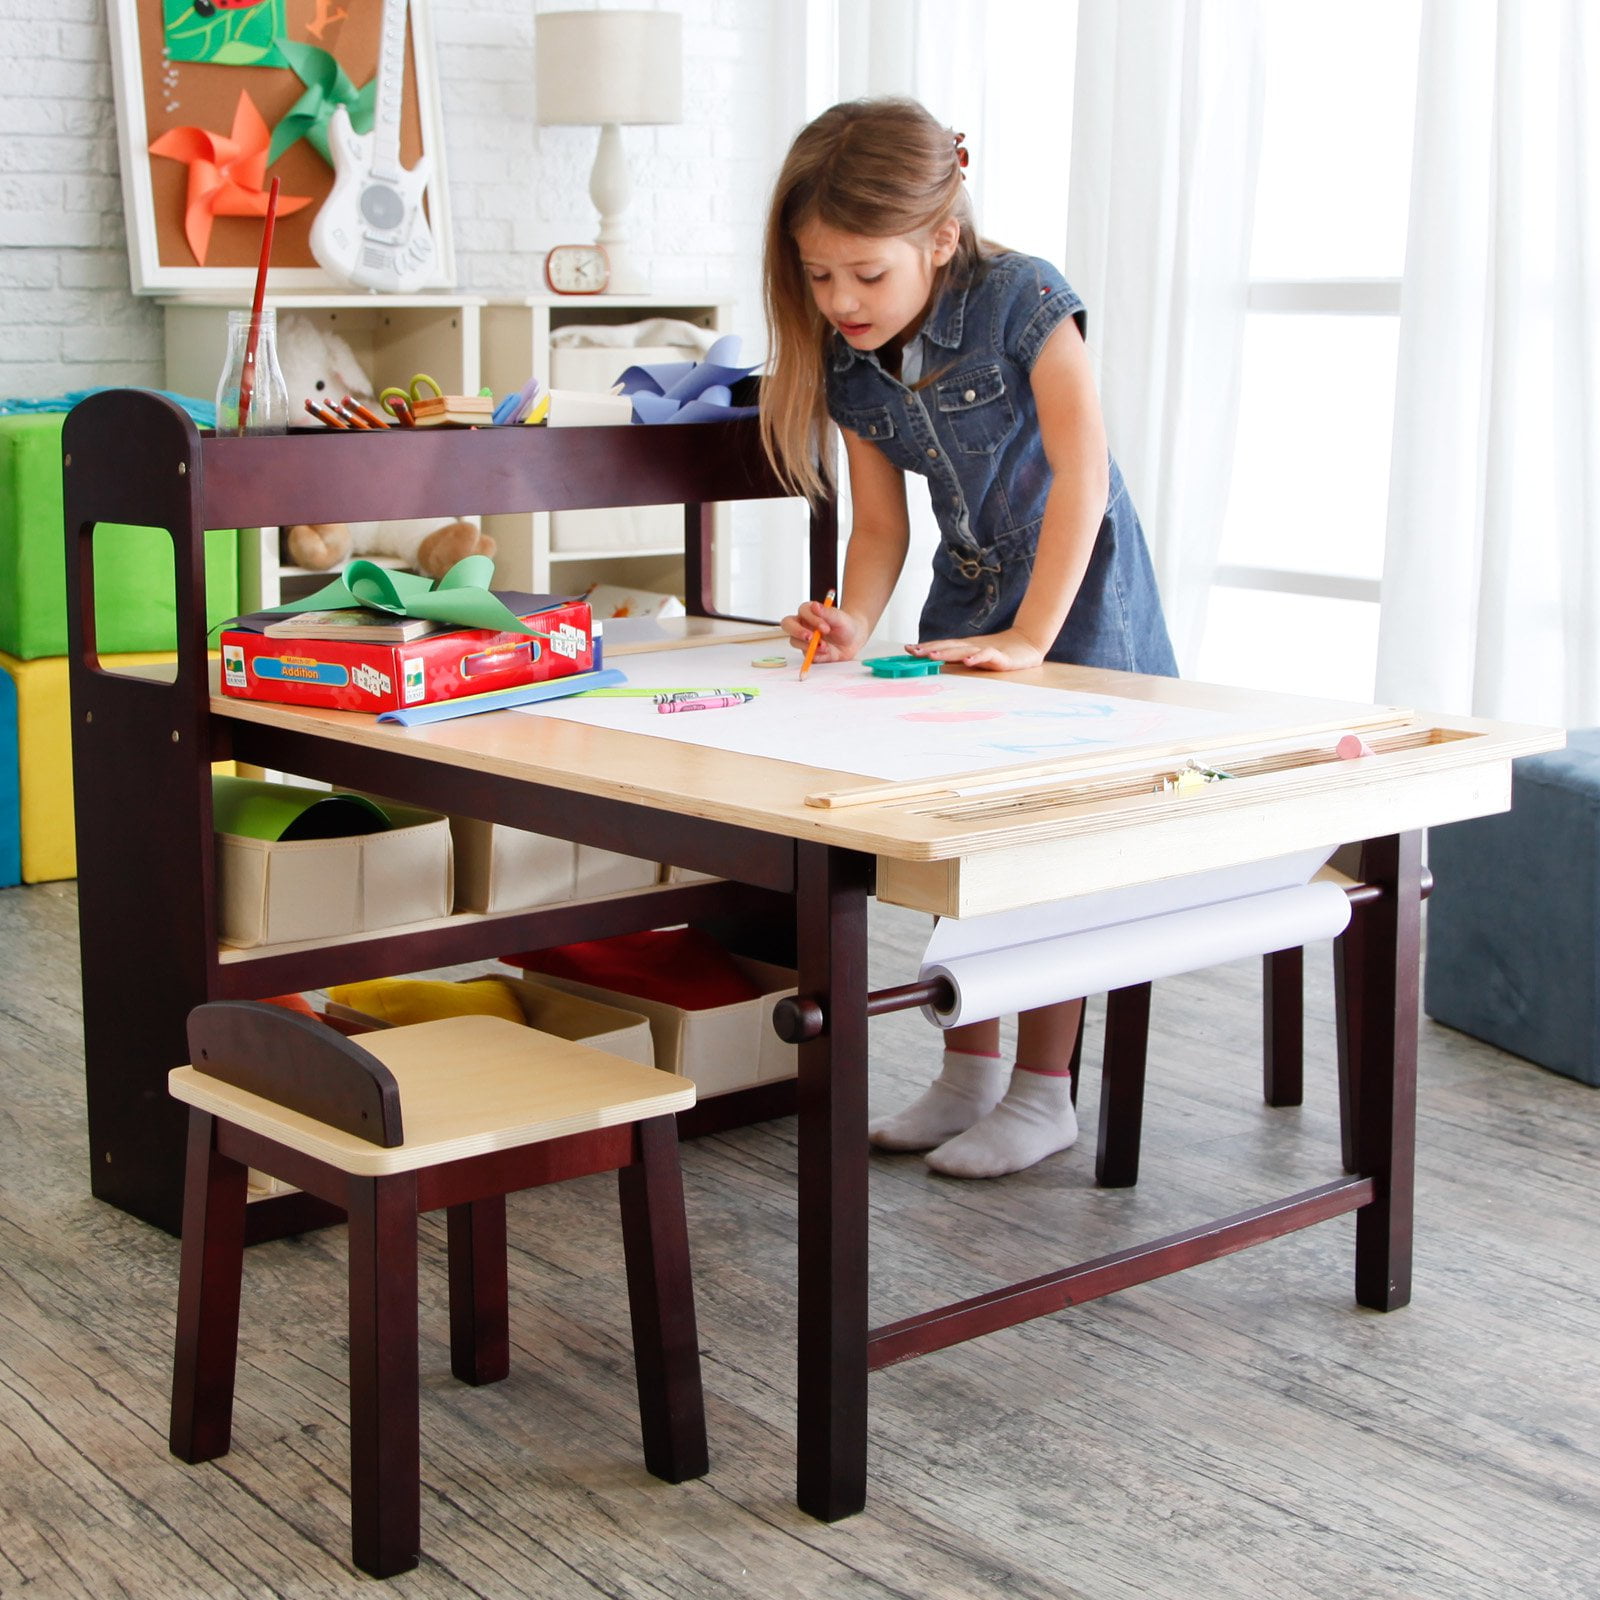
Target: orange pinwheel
(226, 173)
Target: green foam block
(135, 603)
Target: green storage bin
(133, 574)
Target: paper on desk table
(1017, 960)
(844, 719)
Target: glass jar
(269, 395)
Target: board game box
(350, 675)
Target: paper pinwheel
(689, 391)
(226, 172)
(461, 596)
(327, 86)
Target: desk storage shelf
(145, 865)
(393, 336)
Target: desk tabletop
(1073, 830)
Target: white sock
(1034, 1120)
(967, 1088)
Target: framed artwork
(337, 99)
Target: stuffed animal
(317, 364)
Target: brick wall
(68, 319)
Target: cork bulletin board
(234, 93)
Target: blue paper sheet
(689, 391)
(503, 699)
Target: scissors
(401, 404)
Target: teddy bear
(318, 364)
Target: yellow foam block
(44, 758)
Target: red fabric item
(295, 1002)
(677, 966)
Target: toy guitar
(371, 229)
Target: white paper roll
(1019, 977)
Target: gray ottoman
(1514, 917)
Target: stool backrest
(297, 1063)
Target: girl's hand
(842, 634)
(1010, 651)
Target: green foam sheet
(255, 809)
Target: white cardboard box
(277, 892)
(507, 869)
(720, 1048)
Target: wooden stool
(489, 1108)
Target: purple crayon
(698, 700)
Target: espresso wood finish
(1122, 1091)
(1282, 1044)
(754, 821)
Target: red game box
(349, 676)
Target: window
(1295, 602)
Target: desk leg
(1283, 1027)
(1386, 991)
(144, 884)
(1116, 1157)
(831, 1389)
(1348, 964)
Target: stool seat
(469, 1085)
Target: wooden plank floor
(1240, 1431)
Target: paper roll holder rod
(797, 1018)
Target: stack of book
(370, 627)
(465, 410)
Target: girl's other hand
(842, 635)
(993, 652)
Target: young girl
(940, 353)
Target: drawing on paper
(843, 719)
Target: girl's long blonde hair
(879, 168)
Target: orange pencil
(814, 640)
(326, 415)
(371, 418)
(348, 409)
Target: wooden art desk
(142, 754)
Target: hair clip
(961, 153)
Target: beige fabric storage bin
(508, 869)
(672, 874)
(627, 527)
(720, 1048)
(277, 892)
(566, 1016)
(585, 1021)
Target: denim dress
(970, 425)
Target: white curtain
(1491, 586)
(1166, 139)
